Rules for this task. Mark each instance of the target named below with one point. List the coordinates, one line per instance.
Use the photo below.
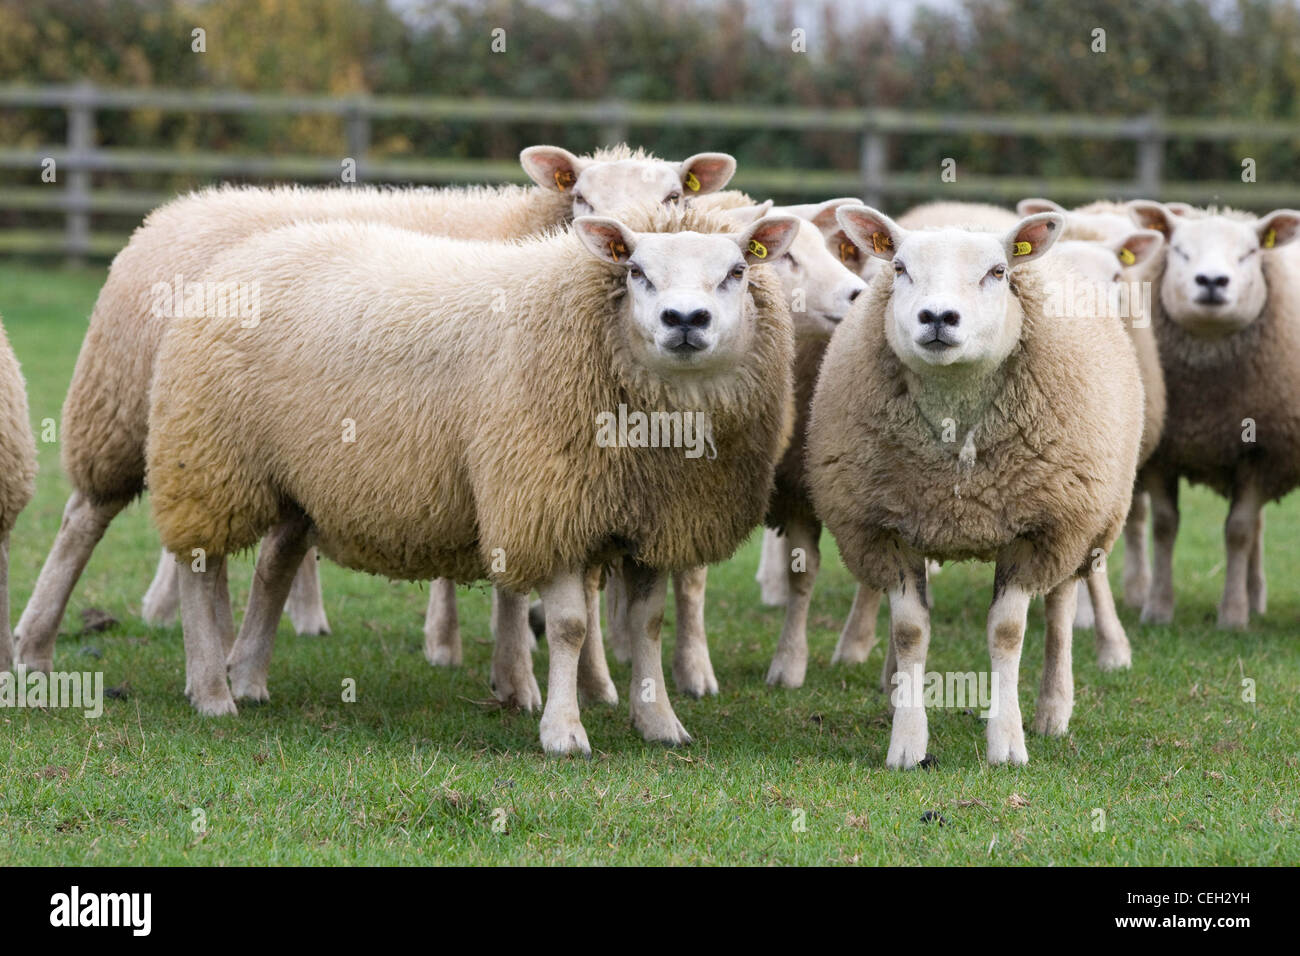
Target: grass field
(418, 768)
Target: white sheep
(957, 417)
(481, 448)
(1227, 320)
(17, 477)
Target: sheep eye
(1248, 255)
(998, 272)
(1180, 252)
(1116, 277)
(899, 268)
(794, 263)
(635, 272)
(673, 197)
(737, 272)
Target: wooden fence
(79, 158)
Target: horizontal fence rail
(79, 158)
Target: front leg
(566, 628)
(1056, 692)
(858, 635)
(790, 662)
(616, 606)
(652, 714)
(1239, 533)
(1159, 607)
(513, 681)
(1256, 586)
(692, 667)
(1137, 567)
(1006, 636)
(202, 625)
(909, 639)
(1113, 650)
(594, 684)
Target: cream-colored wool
(17, 475)
(1057, 450)
(976, 215)
(475, 428)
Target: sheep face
(1213, 283)
(817, 282)
(838, 243)
(602, 188)
(951, 303)
(686, 298)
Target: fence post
(1151, 157)
(613, 127)
(81, 143)
(357, 131)
(874, 160)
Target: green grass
(1184, 770)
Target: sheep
(1227, 320)
(105, 414)
(481, 448)
(17, 477)
(957, 417)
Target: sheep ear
(871, 231)
(1032, 237)
(1028, 207)
(552, 167)
(1139, 247)
(606, 239)
(1152, 215)
(706, 172)
(769, 238)
(746, 215)
(822, 215)
(1183, 209)
(1278, 228)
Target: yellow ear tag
(564, 178)
(1127, 257)
(1270, 239)
(881, 242)
(1021, 249)
(617, 249)
(848, 252)
(757, 248)
(692, 183)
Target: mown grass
(418, 769)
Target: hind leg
(774, 591)
(306, 604)
(790, 662)
(84, 523)
(513, 681)
(594, 683)
(201, 620)
(692, 667)
(1113, 650)
(1137, 565)
(1056, 692)
(163, 599)
(1256, 586)
(442, 645)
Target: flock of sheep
(418, 396)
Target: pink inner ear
(1036, 233)
(555, 169)
(711, 174)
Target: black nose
(698, 319)
(947, 317)
(854, 294)
(1211, 282)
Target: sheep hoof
(695, 680)
(1111, 657)
(249, 688)
(1007, 744)
(1233, 618)
(851, 652)
(523, 694)
(603, 692)
(773, 595)
(442, 655)
(1157, 613)
(908, 739)
(32, 662)
(1135, 591)
(309, 623)
(1052, 717)
(785, 672)
(659, 727)
(564, 736)
(216, 705)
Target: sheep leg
(84, 523)
(6, 638)
(566, 628)
(616, 600)
(774, 591)
(513, 682)
(1137, 568)
(909, 637)
(1256, 586)
(1113, 650)
(163, 599)
(306, 605)
(858, 636)
(790, 662)
(594, 684)
(279, 559)
(1159, 606)
(1056, 692)
(692, 667)
(201, 621)
(889, 668)
(442, 646)
(1006, 635)
(1085, 617)
(652, 714)
(1239, 533)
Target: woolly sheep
(477, 449)
(1227, 320)
(17, 476)
(959, 343)
(105, 413)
